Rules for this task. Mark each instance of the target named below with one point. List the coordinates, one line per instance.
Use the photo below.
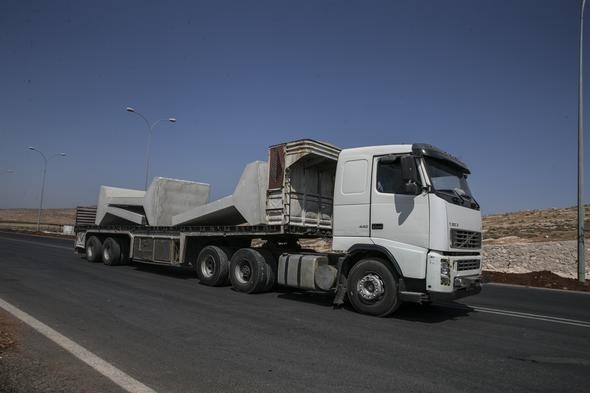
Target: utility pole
(581, 246)
(45, 161)
(150, 127)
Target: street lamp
(45, 160)
(581, 246)
(151, 127)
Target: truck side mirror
(409, 174)
(411, 188)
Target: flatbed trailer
(396, 232)
(183, 238)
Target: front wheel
(373, 288)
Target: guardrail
(64, 229)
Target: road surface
(160, 327)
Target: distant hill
(49, 216)
(533, 225)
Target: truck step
(414, 297)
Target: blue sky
(493, 82)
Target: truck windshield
(450, 182)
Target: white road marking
(125, 381)
(501, 284)
(518, 314)
(540, 317)
(37, 243)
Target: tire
(251, 270)
(373, 288)
(213, 266)
(271, 266)
(93, 249)
(111, 252)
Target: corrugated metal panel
(276, 168)
(85, 215)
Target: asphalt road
(164, 329)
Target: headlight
(445, 272)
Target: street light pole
(581, 246)
(150, 127)
(45, 160)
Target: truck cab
(409, 207)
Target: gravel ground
(542, 279)
(31, 363)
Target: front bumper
(453, 275)
(463, 286)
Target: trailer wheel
(373, 288)
(93, 249)
(213, 266)
(251, 270)
(111, 252)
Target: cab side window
(389, 177)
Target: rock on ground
(559, 257)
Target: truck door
(399, 218)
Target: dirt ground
(542, 279)
(48, 216)
(7, 333)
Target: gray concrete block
(168, 197)
(245, 206)
(155, 207)
(122, 197)
(117, 216)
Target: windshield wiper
(463, 195)
(459, 194)
(451, 193)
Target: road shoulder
(29, 362)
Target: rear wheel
(93, 249)
(373, 288)
(252, 270)
(111, 252)
(213, 266)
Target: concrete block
(168, 197)
(245, 206)
(123, 198)
(119, 216)
(155, 207)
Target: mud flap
(341, 287)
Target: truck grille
(465, 239)
(467, 264)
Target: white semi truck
(401, 219)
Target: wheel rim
(89, 251)
(208, 267)
(243, 272)
(370, 288)
(105, 254)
